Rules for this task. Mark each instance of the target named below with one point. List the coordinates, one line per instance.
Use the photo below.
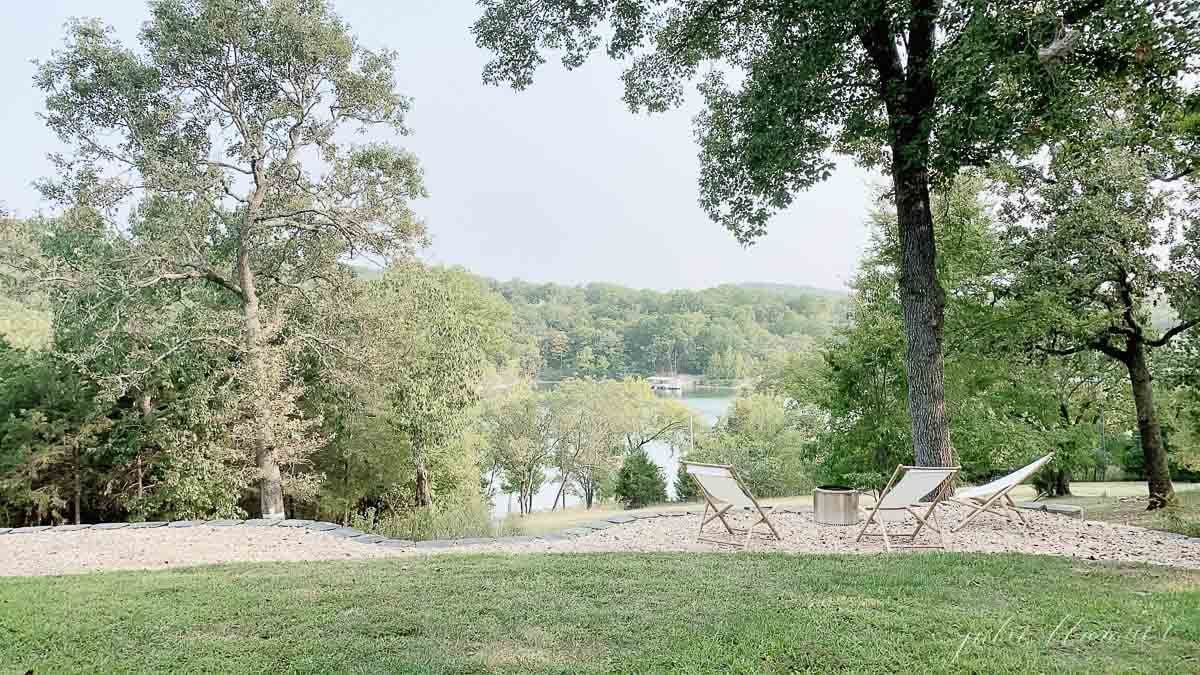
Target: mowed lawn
(612, 612)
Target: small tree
(686, 489)
(640, 481)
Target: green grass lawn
(612, 612)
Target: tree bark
(1162, 492)
(78, 485)
(147, 407)
(270, 482)
(423, 488)
(909, 94)
(923, 302)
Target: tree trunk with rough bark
(923, 302)
(78, 484)
(423, 488)
(907, 88)
(270, 482)
(147, 408)
(1158, 475)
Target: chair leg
(937, 527)
(762, 518)
(887, 543)
(1016, 510)
(979, 508)
(862, 532)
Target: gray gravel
(42, 551)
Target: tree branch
(1166, 337)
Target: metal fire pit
(835, 505)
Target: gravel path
(43, 553)
(1050, 535)
(48, 553)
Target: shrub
(767, 443)
(451, 520)
(685, 486)
(640, 481)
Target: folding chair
(900, 496)
(993, 497)
(723, 490)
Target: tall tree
(434, 328)
(1085, 237)
(221, 141)
(917, 87)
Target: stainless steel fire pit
(835, 505)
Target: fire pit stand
(835, 505)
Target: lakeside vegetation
(727, 334)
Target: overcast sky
(557, 183)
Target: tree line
(725, 333)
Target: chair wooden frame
(719, 512)
(927, 519)
(999, 503)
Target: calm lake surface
(711, 404)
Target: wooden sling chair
(723, 490)
(993, 497)
(902, 498)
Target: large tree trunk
(923, 302)
(1162, 492)
(270, 482)
(909, 95)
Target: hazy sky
(557, 183)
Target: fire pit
(835, 505)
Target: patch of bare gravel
(45, 553)
(1049, 535)
(160, 548)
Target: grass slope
(631, 613)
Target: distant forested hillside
(723, 333)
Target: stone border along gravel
(351, 534)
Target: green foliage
(686, 489)
(723, 333)
(768, 442)
(577, 432)
(1008, 404)
(640, 481)
(455, 518)
(192, 224)
(797, 81)
(1068, 294)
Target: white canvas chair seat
(993, 497)
(723, 490)
(901, 499)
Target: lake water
(711, 404)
